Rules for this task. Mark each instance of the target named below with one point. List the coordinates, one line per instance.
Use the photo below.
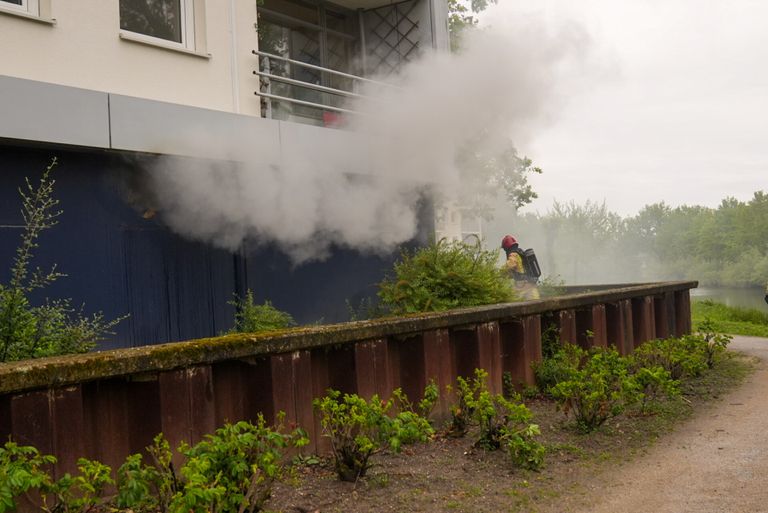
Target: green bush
(84, 492)
(713, 343)
(654, 383)
(28, 331)
(253, 318)
(501, 423)
(148, 488)
(445, 275)
(680, 357)
(560, 366)
(230, 471)
(234, 469)
(600, 386)
(358, 429)
(22, 469)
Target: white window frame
(189, 28)
(28, 7)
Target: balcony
(315, 57)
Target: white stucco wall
(83, 48)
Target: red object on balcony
(332, 119)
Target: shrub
(712, 342)
(230, 471)
(148, 488)
(358, 429)
(84, 492)
(559, 367)
(600, 386)
(654, 383)
(445, 275)
(28, 331)
(681, 357)
(521, 447)
(501, 422)
(22, 469)
(253, 318)
(463, 411)
(234, 469)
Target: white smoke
(507, 80)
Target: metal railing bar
(310, 85)
(322, 69)
(305, 103)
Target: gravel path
(717, 462)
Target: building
(109, 86)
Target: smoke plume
(507, 80)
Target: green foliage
(728, 319)
(253, 318)
(230, 471)
(234, 469)
(138, 486)
(358, 429)
(445, 275)
(461, 17)
(521, 447)
(85, 491)
(22, 469)
(713, 343)
(680, 357)
(29, 331)
(654, 384)
(490, 171)
(560, 366)
(501, 422)
(600, 386)
(367, 309)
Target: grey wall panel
(166, 128)
(325, 150)
(50, 113)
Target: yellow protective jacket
(515, 266)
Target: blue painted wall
(174, 289)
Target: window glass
(305, 32)
(157, 18)
(14, 2)
(298, 43)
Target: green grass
(733, 320)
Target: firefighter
(524, 283)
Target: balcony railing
(325, 102)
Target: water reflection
(745, 298)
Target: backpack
(531, 264)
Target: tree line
(588, 243)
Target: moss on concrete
(65, 370)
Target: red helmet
(508, 241)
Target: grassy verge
(728, 319)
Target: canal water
(745, 298)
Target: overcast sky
(673, 106)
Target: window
(167, 21)
(31, 7)
(314, 32)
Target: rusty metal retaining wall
(107, 405)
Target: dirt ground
(715, 461)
